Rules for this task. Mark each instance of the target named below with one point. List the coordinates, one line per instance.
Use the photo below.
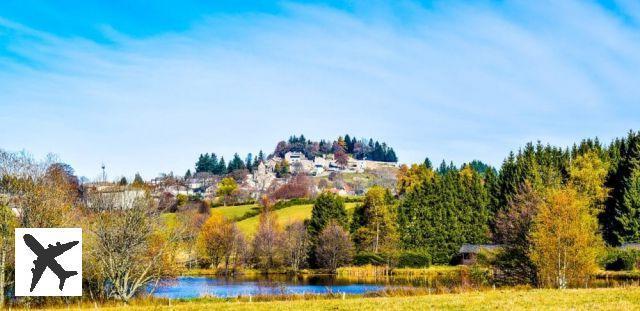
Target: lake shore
(354, 271)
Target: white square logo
(48, 262)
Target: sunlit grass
(286, 216)
(233, 212)
(507, 299)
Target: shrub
(182, 199)
(298, 186)
(353, 199)
(414, 259)
(480, 276)
(368, 258)
(620, 259)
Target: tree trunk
(2, 272)
(375, 249)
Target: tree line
(348, 145)
(341, 147)
(211, 164)
(554, 210)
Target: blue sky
(147, 86)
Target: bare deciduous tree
(267, 243)
(191, 222)
(42, 192)
(127, 249)
(297, 243)
(7, 224)
(334, 247)
(32, 194)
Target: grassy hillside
(286, 216)
(508, 299)
(230, 212)
(233, 212)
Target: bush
(480, 276)
(621, 259)
(298, 186)
(368, 258)
(182, 199)
(354, 199)
(414, 259)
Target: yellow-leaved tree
(565, 239)
(226, 188)
(587, 175)
(220, 241)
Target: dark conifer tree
(427, 163)
(445, 211)
(391, 156)
(629, 210)
(213, 163)
(137, 181)
(327, 207)
(202, 165)
(222, 167)
(348, 145)
(235, 164)
(616, 220)
(249, 162)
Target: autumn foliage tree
(410, 177)
(226, 188)
(44, 192)
(587, 174)
(220, 242)
(341, 158)
(299, 186)
(565, 239)
(374, 222)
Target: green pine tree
(629, 210)
(327, 207)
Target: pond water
(198, 286)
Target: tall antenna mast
(104, 173)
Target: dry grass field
(507, 299)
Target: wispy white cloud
(454, 81)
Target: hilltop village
(345, 166)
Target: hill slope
(286, 216)
(233, 212)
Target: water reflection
(198, 286)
